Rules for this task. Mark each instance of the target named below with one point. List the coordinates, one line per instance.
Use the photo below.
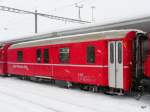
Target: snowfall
(26, 96)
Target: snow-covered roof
(75, 38)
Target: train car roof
(75, 38)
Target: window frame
(46, 55)
(119, 53)
(67, 53)
(90, 54)
(38, 55)
(19, 56)
(112, 56)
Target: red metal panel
(87, 74)
(128, 58)
(147, 66)
(147, 61)
(3, 59)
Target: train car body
(104, 59)
(3, 59)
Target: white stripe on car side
(74, 65)
(2, 62)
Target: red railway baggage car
(108, 59)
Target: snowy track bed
(25, 96)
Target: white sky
(15, 25)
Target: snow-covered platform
(25, 96)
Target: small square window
(64, 55)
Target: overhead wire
(15, 10)
(67, 6)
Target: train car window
(20, 56)
(111, 53)
(38, 55)
(64, 55)
(119, 53)
(46, 55)
(90, 54)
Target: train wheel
(95, 89)
(84, 87)
(8, 75)
(69, 84)
(22, 77)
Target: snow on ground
(26, 96)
